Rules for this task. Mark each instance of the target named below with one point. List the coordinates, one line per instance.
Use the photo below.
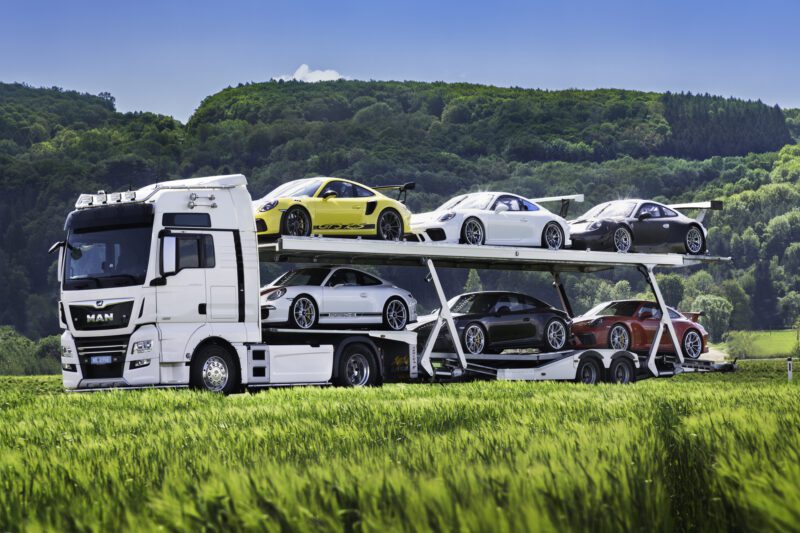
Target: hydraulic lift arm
(444, 318)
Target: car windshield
(304, 276)
(478, 303)
(451, 203)
(295, 189)
(106, 258)
(613, 309)
(611, 209)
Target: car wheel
(395, 314)
(619, 338)
(694, 241)
(296, 222)
(390, 225)
(553, 236)
(692, 344)
(555, 335)
(214, 369)
(474, 340)
(588, 371)
(621, 371)
(472, 232)
(357, 367)
(623, 240)
(303, 312)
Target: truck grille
(116, 347)
(87, 317)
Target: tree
(473, 283)
(716, 314)
(790, 308)
(671, 286)
(742, 314)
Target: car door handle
(664, 225)
(363, 295)
(356, 207)
(526, 319)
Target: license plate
(101, 359)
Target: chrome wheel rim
(473, 232)
(622, 240)
(622, 374)
(304, 313)
(296, 224)
(215, 373)
(552, 237)
(556, 335)
(694, 241)
(588, 374)
(396, 315)
(693, 345)
(357, 370)
(390, 226)
(474, 339)
(619, 338)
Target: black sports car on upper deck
(637, 226)
(490, 322)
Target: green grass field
(696, 452)
(767, 344)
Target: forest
(448, 138)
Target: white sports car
(335, 295)
(493, 218)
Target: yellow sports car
(332, 206)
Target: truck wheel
(588, 371)
(214, 369)
(303, 312)
(357, 367)
(621, 371)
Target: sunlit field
(708, 452)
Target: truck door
(181, 292)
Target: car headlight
(595, 225)
(446, 217)
(142, 346)
(277, 294)
(267, 206)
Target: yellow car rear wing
(565, 201)
(402, 190)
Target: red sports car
(632, 325)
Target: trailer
(160, 288)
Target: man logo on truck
(99, 318)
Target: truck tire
(214, 369)
(588, 371)
(621, 371)
(357, 367)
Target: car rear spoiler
(402, 190)
(694, 316)
(565, 200)
(703, 207)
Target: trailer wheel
(621, 371)
(588, 371)
(213, 369)
(357, 367)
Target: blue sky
(166, 56)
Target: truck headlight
(446, 217)
(142, 346)
(267, 206)
(276, 294)
(66, 350)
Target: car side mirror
(501, 208)
(169, 255)
(328, 194)
(644, 216)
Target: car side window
(668, 212)
(508, 301)
(654, 312)
(529, 206)
(361, 192)
(652, 209)
(512, 202)
(343, 276)
(674, 314)
(367, 280)
(342, 189)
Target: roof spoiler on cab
(565, 201)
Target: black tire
(621, 371)
(557, 339)
(396, 306)
(357, 367)
(694, 241)
(214, 369)
(692, 348)
(390, 225)
(588, 371)
(475, 235)
(296, 222)
(624, 334)
(474, 339)
(305, 318)
(622, 240)
(553, 236)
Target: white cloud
(303, 73)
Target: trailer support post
(444, 318)
(664, 322)
(562, 293)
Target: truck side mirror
(169, 255)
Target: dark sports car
(490, 322)
(637, 226)
(632, 325)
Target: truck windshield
(106, 258)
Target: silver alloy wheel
(396, 315)
(357, 370)
(694, 240)
(622, 240)
(619, 338)
(296, 223)
(692, 345)
(622, 373)
(304, 312)
(390, 226)
(588, 374)
(473, 232)
(553, 237)
(474, 339)
(215, 373)
(556, 335)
